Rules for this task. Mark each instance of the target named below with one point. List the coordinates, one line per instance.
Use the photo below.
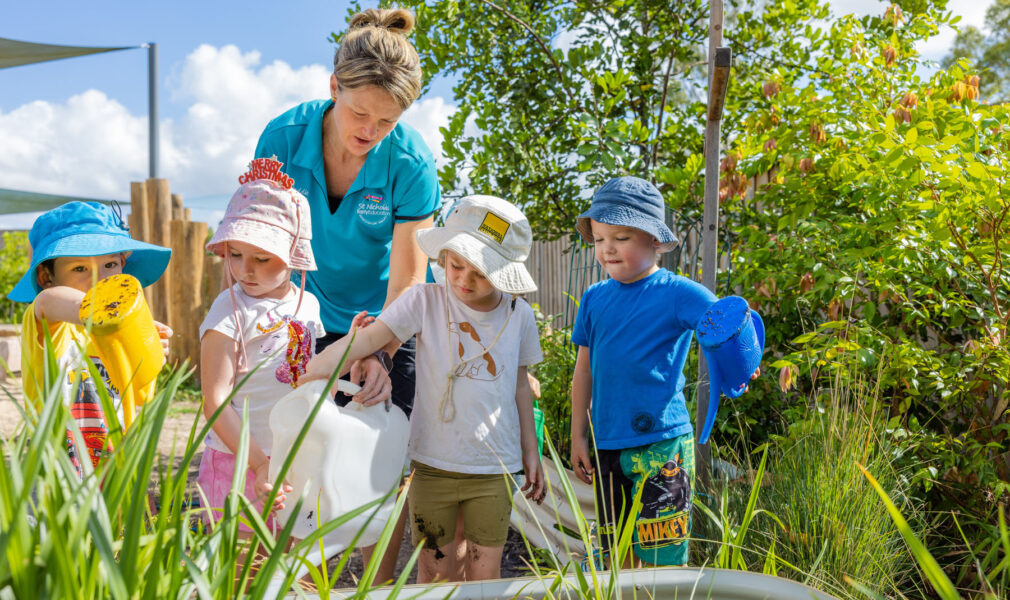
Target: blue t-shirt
(639, 335)
(398, 183)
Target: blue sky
(78, 126)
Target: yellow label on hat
(494, 226)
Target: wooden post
(139, 218)
(719, 59)
(213, 269)
(177, 210)
(186, 305)
(160, 201)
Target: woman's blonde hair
(376, 51)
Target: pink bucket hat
(268, 215)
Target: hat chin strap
(446, 408)
(240, 356)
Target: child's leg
(614, 498)
(459, 551)
(663, 473)
(486, 507)
(434, 507)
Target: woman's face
(362, 116)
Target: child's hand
(534, 478)
(582, 464)
(164, 332)
(754, 375)
(262, 486)
(361, 320)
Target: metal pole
(718, 71)
(152, 111)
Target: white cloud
(92, 146)
(427, 116)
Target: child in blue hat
(74, 246)
(634, 333)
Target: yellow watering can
(127, 340)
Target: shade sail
(16, 201)
(14, 53)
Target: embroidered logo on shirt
(373, 209)
(494, 226)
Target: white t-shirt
(282, 341)
(484, 433)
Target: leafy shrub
(555, 375)
(13, 264)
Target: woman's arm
(217, 370)
(407, 265)
(582, 392)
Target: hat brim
(505, 275)
(146, 262)
(622, 216)
(265, 237)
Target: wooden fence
(181, 297)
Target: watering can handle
(759, 327)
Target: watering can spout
(732, 338)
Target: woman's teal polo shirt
(398, 183)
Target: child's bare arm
(366, 341)
(582, 392)
(528, 439)
(59, 303)
(217, 369)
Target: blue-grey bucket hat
(87, 229)
(629, 202)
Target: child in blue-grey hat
(634, 333)
(73, 247)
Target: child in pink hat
(260, 333)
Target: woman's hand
(371, 375)
(164, 332)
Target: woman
(371, 184)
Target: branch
(539, 41)
(662, 109)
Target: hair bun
(396, 20)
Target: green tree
(988, 52)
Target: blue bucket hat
(629, 202)
(87, 229)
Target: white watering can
(351, 456)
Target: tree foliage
(988, 52)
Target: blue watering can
(732, 336)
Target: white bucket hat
(492, 235)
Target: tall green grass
(822, 523)
(62, 536)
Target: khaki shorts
(437, 497)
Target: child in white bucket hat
(473, 409)
(262, 325)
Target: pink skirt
(216, 472)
